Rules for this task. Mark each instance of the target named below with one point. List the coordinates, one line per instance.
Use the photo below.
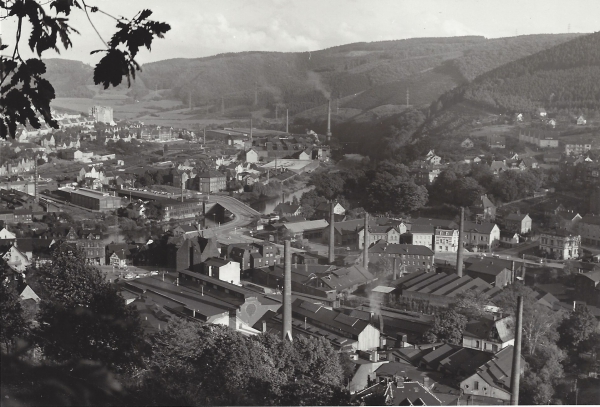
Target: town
(161, 212)
(259, 203)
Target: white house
(223, 269)
(5, 234)
(16, 259)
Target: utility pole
(222, 106)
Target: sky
(207, 27)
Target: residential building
(560, 244)
(387, 233)
(518, 223)
(589, 230)
(407, 258)
(322, 211)
(399, 392)
(497, 166)
(93, 246)
(542, 139)
(568, 220)
(581, 121)
(103, 114)
(211, 181)
(254, 255)
(445, 240)
(481, 236)
(421, 235)
(509, 239)
(15, 259)
(577, 147)
(541, 112)
(492, 379)
(287, 209)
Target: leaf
(111, 68)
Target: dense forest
(563, 78)
(301, 81)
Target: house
(211, 181)
(322, 211)
(552, 123)
(587, 287)
(489, 333)
(481, 236)
(406, 257)
(498, 166)
(496, 272)
(254, 255)
(5, 234)
(187, 231)
(388, 233)
(541, 112)
(560, 244)
(222, 269)
(518, 117)
(251, 156)
(467, 143)
(421, 235)
(581, 121)
(589, 229)
(288, 209)
(516, 222)
(118, 258)
(14, 258)
(483, 208)
(492, 379)
(432, 159)
(567, 220)
(509, 239)
(445, 240)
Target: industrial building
(90, 199)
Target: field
(122, 110)
(492, 130)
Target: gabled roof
(486, 326)
(383, 247)
(487, 265)
(483, 227)
(516, 217)
(329, 318)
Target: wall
(368, 338)
(468, 386)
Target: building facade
(560, 244)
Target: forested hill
(365, 75)
(564, 78)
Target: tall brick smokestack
(366, 243)
(287, 292)
(331, 233)
(35, 182)
(515, 377)
(182, 186)
(287, 121)
(329, 120)
(459, 252)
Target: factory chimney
(331, 233)
(366, 243)
(329, 120)
(459, 252)
(35, 182)
(250, 129)
(287, 121)
(182, 185)
(287, 293)
(515, 377)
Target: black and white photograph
(299, 202)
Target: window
(475, 385)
